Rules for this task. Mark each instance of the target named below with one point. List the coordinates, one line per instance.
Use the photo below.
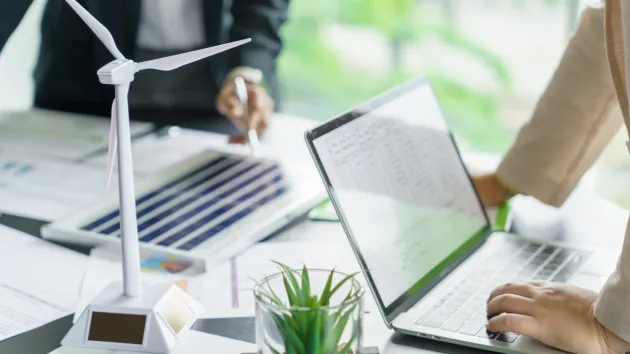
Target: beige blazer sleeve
(612, 307)
(572, 122)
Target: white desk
(585, 219)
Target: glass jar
(332, 327)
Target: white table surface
(585, 219)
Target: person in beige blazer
(570, 127)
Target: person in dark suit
(70, 54)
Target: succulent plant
(308, 324)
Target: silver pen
(240, 89)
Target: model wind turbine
(123, 316)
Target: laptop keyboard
(463, 308)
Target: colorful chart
(164, 263)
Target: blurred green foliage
(319, 84)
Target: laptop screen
(400, 187)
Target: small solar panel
(190, 210)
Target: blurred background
(488, 61)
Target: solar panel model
(209, 207)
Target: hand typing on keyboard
(558, 315)
(463, 309)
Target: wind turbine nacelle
(118, 72)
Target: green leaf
(315, 341)
(289, 349)
(281, 326)
(271, 298)
(311, 320)
(293, 299)
(334, 334)
(346, 348)
(273, 293)
(351, 295)
(291, 322)
(325, 299)
(353, 338)
(289, 273)
(338, 286)
(316, 331)
(270, 347)
(296, 299)
(268, 293)
(302, 320)
(330, 343)
(306, 286)
(290, 336)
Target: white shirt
(179, 25)
(171, 24)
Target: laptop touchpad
(601, 263)
(588, 281)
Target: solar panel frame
(160, 218)
(296, 193)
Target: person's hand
(558, 315)
(491, 192)
(260, 107)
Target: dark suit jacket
(70, 54)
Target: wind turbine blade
(99, 30)
(113, 144)
(176, 61)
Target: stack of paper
(161, 150)
(46, 188)
(56, 134)
(52, 164)
(41, 174)
(40, 282)
(155, 152)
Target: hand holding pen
(240, 89)
(251, 118)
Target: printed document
(229, 288)
(46, 188)
(155, 152)
(39, 282)
(55, 134)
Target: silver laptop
(418, 230)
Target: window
(488, 61)
(485, 59)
